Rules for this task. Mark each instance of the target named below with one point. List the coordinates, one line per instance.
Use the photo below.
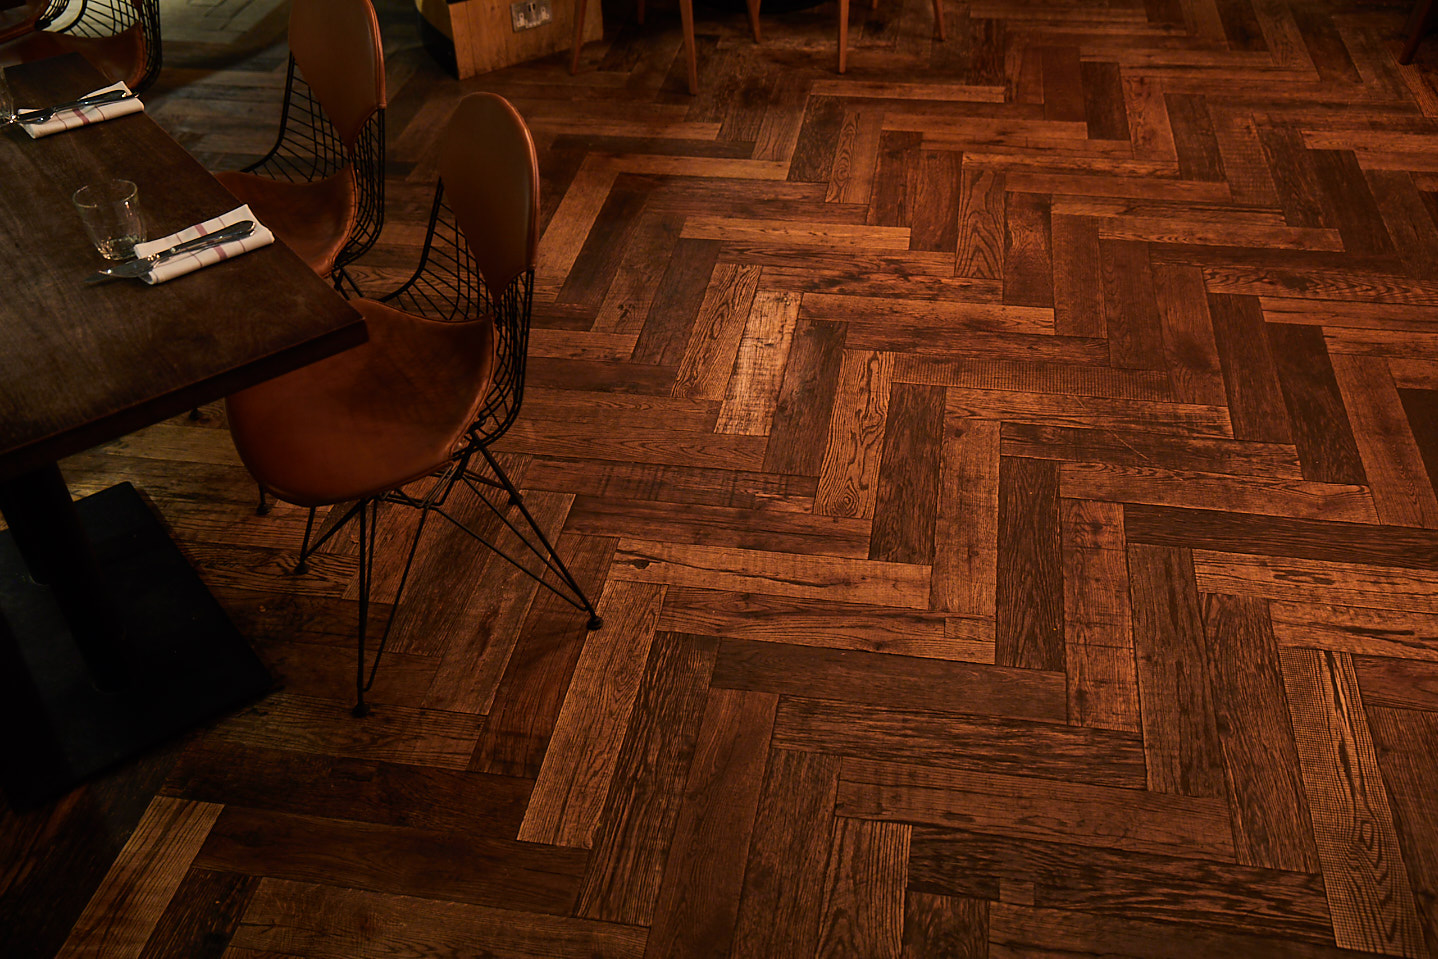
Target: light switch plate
(528, 14)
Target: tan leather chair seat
(312, 218)
(369, 419)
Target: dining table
(110, 643)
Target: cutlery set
(93, 100)
(141, 265)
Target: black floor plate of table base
(192, 665)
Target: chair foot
(301, 568)
(360, 710)
(195, 413)
(595, 622)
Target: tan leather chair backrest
(491, 179)
(336, 44)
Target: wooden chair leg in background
(753, 6)
(579, 7)
(686, 16)
(843, 34)
(1418, 22)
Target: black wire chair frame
(309, 148)
(97, 19)
(447, 286)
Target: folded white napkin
(190, 262)
(84, 116)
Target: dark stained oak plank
(782, 902)
(202, 916)
(955, 927)
(361, 789)
(863, 912)
(801, 418)
(1029, 592)
(300, 918)
(1321, 429)
(130, 901)
(852, 676)
(676, 303)
(704, 871)
(966, 525)
(1271, 826)
(1077, 277)
(981, 224)
(1368, 888)
(1102, 817)
(1098, 622)
(1028, 256)
(1403, 741)
(1279, 536)
(1092, 881)
(579, 763)
(955, 741)
(1130, 307)
(936, 197)
(1255, 399)
(1180, 734)
(1198, 154)
(621, 880)
(401, 860)
(907, 497)
(517, 730)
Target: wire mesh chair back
(479, 250)
(105, 19)
(309, 147)
(448, 286)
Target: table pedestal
(182, 661)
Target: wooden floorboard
(1006, 472)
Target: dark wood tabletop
(81, 365)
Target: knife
(142, 265)
(93, 100)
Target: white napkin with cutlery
(82, 116)
(190, 262)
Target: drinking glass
(7, 103)
(110, 210)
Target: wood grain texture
(1368, 886)
(981, 436)
(579, 764)
(1098, 622)
(1271, 825)
(1184, 755)
(133, 896)
(1029, 591)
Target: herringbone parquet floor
(1008, 471)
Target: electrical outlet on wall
(528, 14)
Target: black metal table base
(188, 662)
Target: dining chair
(686, 19)
(844, 28)
(320, 189)
(18, 20)
(121, 38)
(408, 418)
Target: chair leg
(843, 34)
(686, 16)
(579, 8)
(753, 6)
(549, 555)
(939, 19)
(366, 569)
(264, 506)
